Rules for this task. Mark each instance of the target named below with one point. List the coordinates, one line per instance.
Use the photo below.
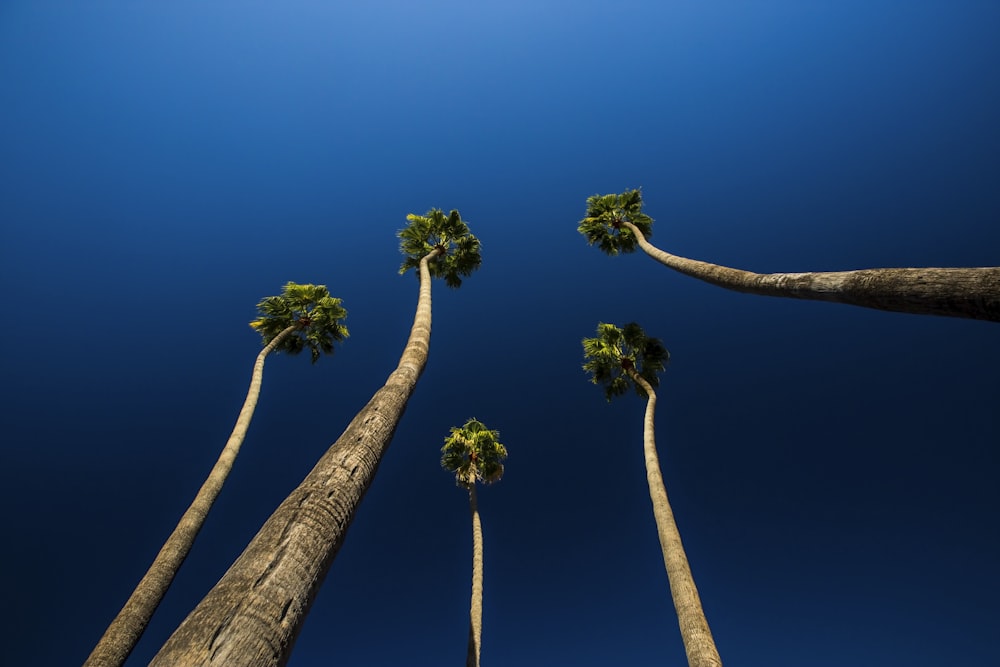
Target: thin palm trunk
(698, 642)
(476, 607)
(127, 627)
(954, 292)
(253, 615)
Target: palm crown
(605, 215)
(310, 308)
(450, 234)
(615, 352)
(474, 453)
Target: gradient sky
(833, 469)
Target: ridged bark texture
(127, 627)
(476, 607)
(972, 293)
(252, 617)
(698, 642)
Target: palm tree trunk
(955, 292)
(476, 608)
(698, 642)
(253, 615)
(127, 627)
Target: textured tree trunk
(476, 608)
(252, 617)
(698, 642)
(127, 627)
(954, 292)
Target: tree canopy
(310, 308)
(458, 250)
(603, 224)
(614, 352)
(474, 453)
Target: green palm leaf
(614, 352)
(314, 313)
(474, 453)
(603, 227)
(460, 250)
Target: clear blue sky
(833, 469)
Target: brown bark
(698, 642)
(252, 617)
(127, 627)
(954, 292)
(476, 606)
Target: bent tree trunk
(127, 627)
(476, 607)
(698, 642)
(252, 617)
(954, 292)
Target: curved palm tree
(474, 453)
(616, 224)
(302, 316)
(252, 616)
(618, 358)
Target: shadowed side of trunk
(252, 617)
(476, 606)
(972, 293)
(698, 642)
(127, 627)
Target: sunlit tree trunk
(127, 627)
(476, 607)
(698, 642)
(252, 617)
(955, 292)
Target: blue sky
(832, 469)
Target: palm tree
(474, 453)
(303, 316)
(252, 616)
(616, 224)
(617, 358)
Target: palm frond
(316, 316)
(602, 225)
(461, 251)
(614, 352)
(473, 453)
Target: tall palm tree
(302, 316)
(618, 358)
(616, 224)
(474, 453)
(252, 616)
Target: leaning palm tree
(474, 454)
(618, 358)
(252, 616)
(302, 316)
(616, 224)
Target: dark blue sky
(833, 469)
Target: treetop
(615, 353)
(459, 251)
(315, 314)
(474, 453)
(603, 226)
